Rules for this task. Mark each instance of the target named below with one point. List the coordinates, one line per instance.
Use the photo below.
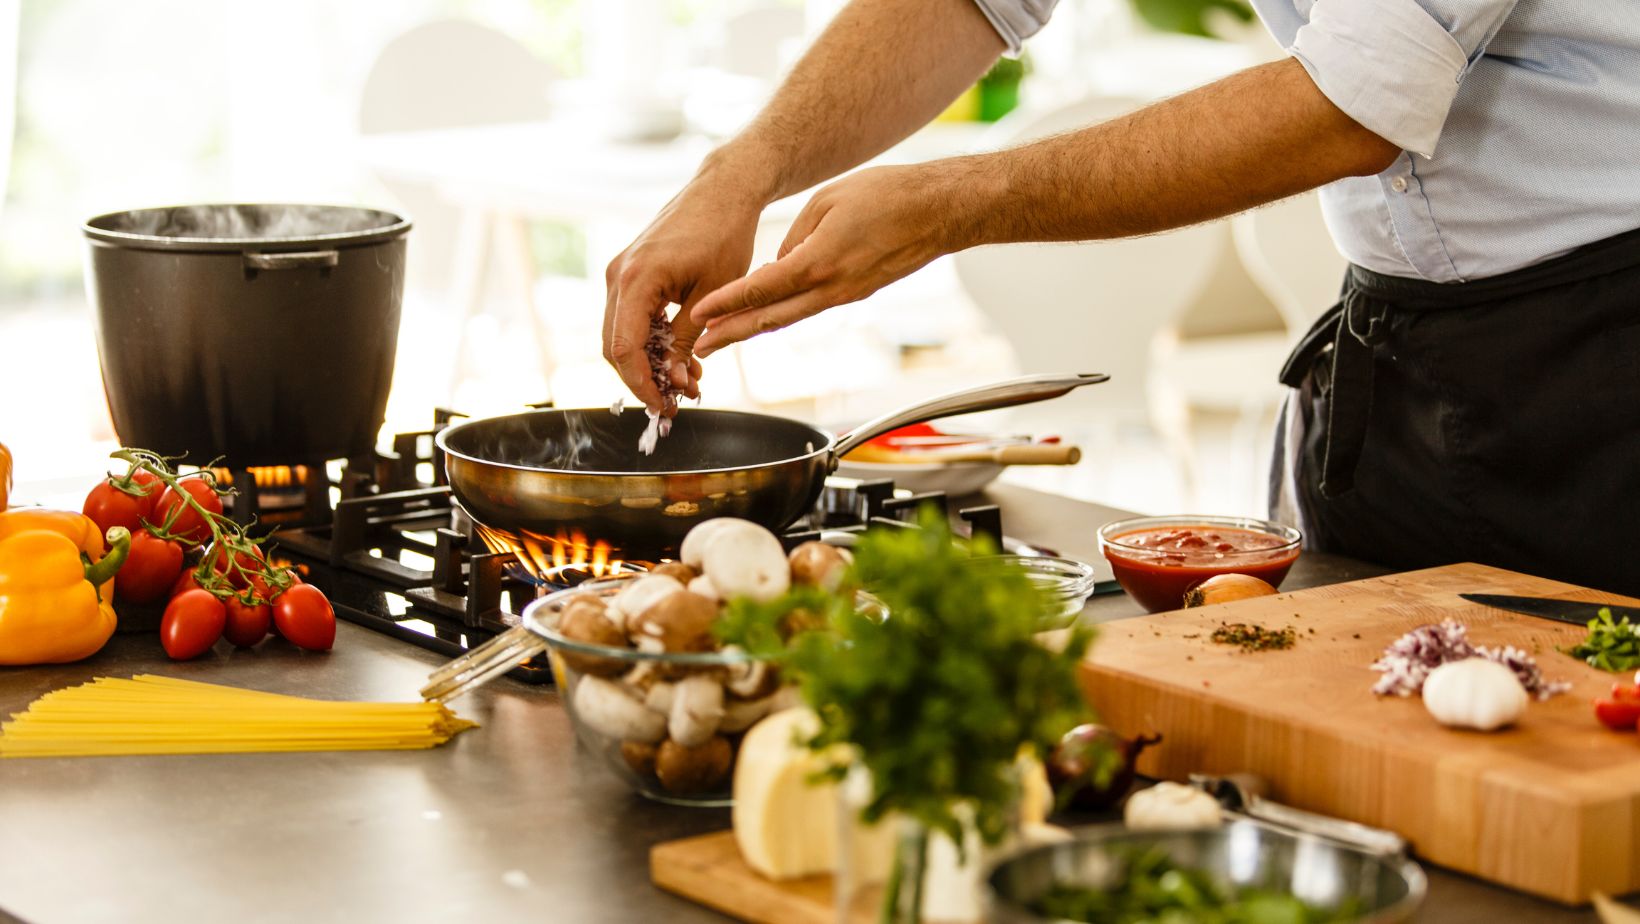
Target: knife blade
(1576, 612)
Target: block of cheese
(787, 825)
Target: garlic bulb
(1474, 693)
(1171, 807)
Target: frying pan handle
(984, 398)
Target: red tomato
(192, 623)
(188, 523)
(244, 563)
(1622, 711)
(184, 583)
(108, 506)
(150, 482)
(247, 625)
(150, 570)
(1626, 692)
(303, 615)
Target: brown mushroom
(817, 564)
(640, 756)
(676, 569)
(637, 596)
(586, 619)
(696, 769)
(680, 621)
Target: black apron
(1494, 421)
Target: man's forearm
(880, 71)
(1255, 137)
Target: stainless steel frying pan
(561, 472)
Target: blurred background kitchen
(530, 140)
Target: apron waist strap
(1353, 328)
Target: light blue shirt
(1519, 122)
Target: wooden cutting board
(708, 870)
(1551, 806)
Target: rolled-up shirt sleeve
(1016, 20)
(1395, 66)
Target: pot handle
(984, 398)
(296, 260)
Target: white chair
(1088, 307)
(1286, 250)
(448, 74)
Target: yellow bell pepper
(79, 528)
(5, 476)
(56, 601)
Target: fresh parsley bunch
(938, 698)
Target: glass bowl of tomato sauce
(1157, 559)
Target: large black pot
(263, 333)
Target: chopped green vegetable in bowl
(1243, 873)
(1156, 890)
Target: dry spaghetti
(149, 714)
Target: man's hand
(701, 240)
(854, 237)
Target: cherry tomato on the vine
(151, 568)
(185, 582)
(188, 525)
(149, 482)
(192, 623)
(239, 566)
(246, 625)
(108, 506)
(304, 616)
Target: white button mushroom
(697, 710)
(1474, 693)
(747, 561)
(693, 550)
(638, 595)
(615, 712)
(703, 586)
(741, 714)
(1171, 807)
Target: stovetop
(383, 539)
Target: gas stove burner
(575, 575)
(558, 559)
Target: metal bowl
(1321, 873)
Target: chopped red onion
(658, 349)
(1410, 658)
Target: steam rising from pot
(246, 222)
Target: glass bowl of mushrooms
(647, 684)
(666, 717)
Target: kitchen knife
(1576, 612)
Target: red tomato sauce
(1157, 565)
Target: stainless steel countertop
(508, 822)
